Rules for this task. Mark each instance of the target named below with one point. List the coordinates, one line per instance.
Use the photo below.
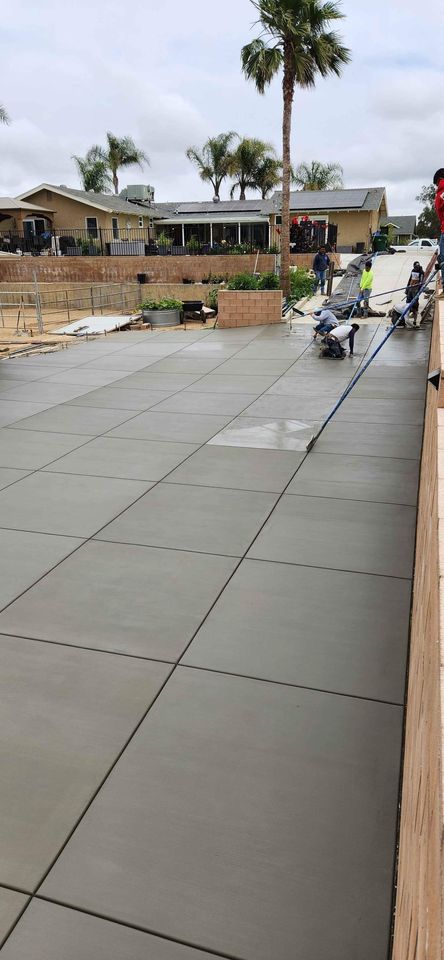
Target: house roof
(108, 202)
(208, 208)
(404, 225)
(9, 203)
(365, 198)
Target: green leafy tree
(121, 152)
(4, 117)
(298, 41)
(428, 224)
(268, 176)
(213, 159)
(245, 163)
(93, 170)
(319, 176)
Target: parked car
(423, 245)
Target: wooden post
(67, 304)
(331, 271)
(92, 301)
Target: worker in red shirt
(438, 180)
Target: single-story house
(101, 217)
(402, 229)
(21, 216)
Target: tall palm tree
(319, 176)
(268, 176)
(93, 170)
(122, 152)
(4, 117)
(244, 164)
(301, 44)
(213, 160)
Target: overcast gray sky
(169, 75)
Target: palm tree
(319, 176)
(299, 42)
(4, 118)
(245, 162)
(213, 160)
(268, 176)
(122, 152)
(93, 170)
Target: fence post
(101, 241)
(331, 271)
(38, 304)
(122, 296)
(92, 300)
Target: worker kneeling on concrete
(333, 341)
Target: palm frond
(4, 116)
(260, 63)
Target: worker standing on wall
(365, 289)
(321, 264)
(415, 283)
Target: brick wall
(121, 269)
(244, 308)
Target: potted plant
(164, 243)
(161, 313)
(193, 245)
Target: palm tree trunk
(288, 93)
(242, 194)
(115, 181)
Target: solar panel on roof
(328, 200)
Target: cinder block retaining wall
(121, 269)
(244, 308)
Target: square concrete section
(357, 478)
(340, 535)
(127, 599)
(90, 421)
(131, 459)
(238, 468)
(371, 439)
(66, 504)
(64, 716)
(270, 623)
(206, 519)
(30, 450)
(278, 801)
(180, 427)
(51, 932)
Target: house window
(140, 221)
(115, 225)
(91, 226)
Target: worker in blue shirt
(321, 264)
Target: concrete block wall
(122, 269)
(244, 308)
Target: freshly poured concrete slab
(371, 439)
(349, 477)
(270, 623)
(265, 433)
(129, 399)
(65, 715)
(25, 557)
(224, 383)
(252, 810)
(240, 367)
(12, 411)
(47, 392)
(11, 905)
(29, 450)
(126, 599)
(92, 378)
(169, 382)
(381, 411)
(304, 387)
(207, 519)
(213, 403)
(64, 504)
(186, 364)
(9, 475)
(179, 427)
(386, 388)
(239, 469)
(340, 535)
(90, 421)
(291, 408)
(51, 932)
(126, 459)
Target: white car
(424, 245)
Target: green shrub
(166, 304)
(269, 281)
(212, 299)
(243, 281)
(301, 284)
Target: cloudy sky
(169, 75)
